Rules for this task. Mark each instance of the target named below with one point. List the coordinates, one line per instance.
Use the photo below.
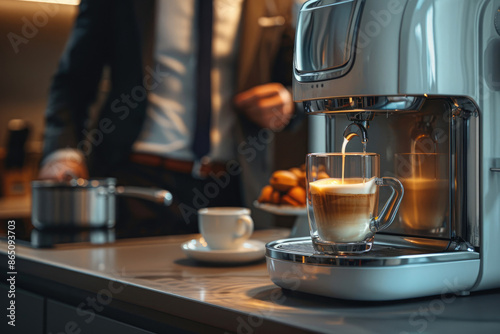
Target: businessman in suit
(152, 129)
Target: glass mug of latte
(342, 201)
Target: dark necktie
(201, 141)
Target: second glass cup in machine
(424, 177)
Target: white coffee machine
(418, 76)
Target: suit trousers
(189, 194)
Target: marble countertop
(242, 298)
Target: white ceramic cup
(225, 227)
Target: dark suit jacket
(119, 34)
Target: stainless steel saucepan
(84, 203)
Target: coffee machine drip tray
(393, 269)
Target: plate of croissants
(285, 194)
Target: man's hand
(63, 169)
(269, 105)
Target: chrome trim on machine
(401, 251)
(364, 104)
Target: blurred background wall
(33, 36)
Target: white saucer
(251, 250)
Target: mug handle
(247, 223)
(388, 213)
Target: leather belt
(197, 169)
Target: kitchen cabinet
(29, 311)
(62, 318)
(36, 314)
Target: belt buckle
(196, 172)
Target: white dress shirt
(169, 125)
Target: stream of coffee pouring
(348, 135)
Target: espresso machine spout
(357, 129)
(359, 126)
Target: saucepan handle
(156, 195)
